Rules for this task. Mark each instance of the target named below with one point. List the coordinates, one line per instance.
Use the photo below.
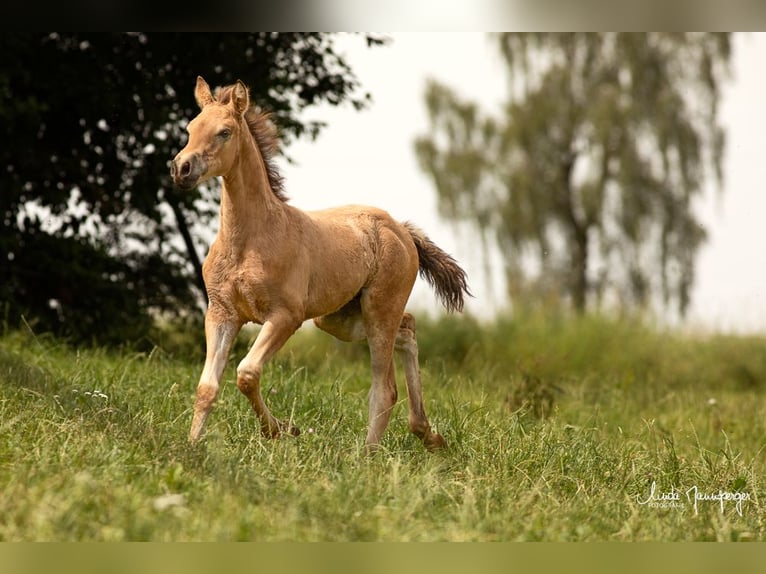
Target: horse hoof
(282, 427)
(434, 442)
(370, 449)
(292, 430)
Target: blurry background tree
(94, 241)
(587, 183)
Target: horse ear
(240, 98)
(202, 93)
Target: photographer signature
(694, 495)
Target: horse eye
(224, 134)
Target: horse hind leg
(347, 325)
(350, 324)
(407, 348)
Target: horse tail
(440, 270)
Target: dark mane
(266, 137)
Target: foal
(350, 269)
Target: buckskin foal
(350, 269)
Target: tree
(94, 241)
(590, 177)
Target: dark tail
(440, 270)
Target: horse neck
(249, 207)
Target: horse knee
(248, 379)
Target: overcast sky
(368, 158)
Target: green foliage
(587, 182)
(93, 442)
(91, 231)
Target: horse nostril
(185, 168)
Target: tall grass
(557, 429)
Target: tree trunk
(580, 269)
(578, 231)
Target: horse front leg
(219, 337)
(272, 336)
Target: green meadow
(560, 428)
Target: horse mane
(266, 136)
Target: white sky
(368, 158)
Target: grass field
(558, 428)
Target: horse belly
(337, 281)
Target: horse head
(214, 136)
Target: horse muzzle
(187, 169)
